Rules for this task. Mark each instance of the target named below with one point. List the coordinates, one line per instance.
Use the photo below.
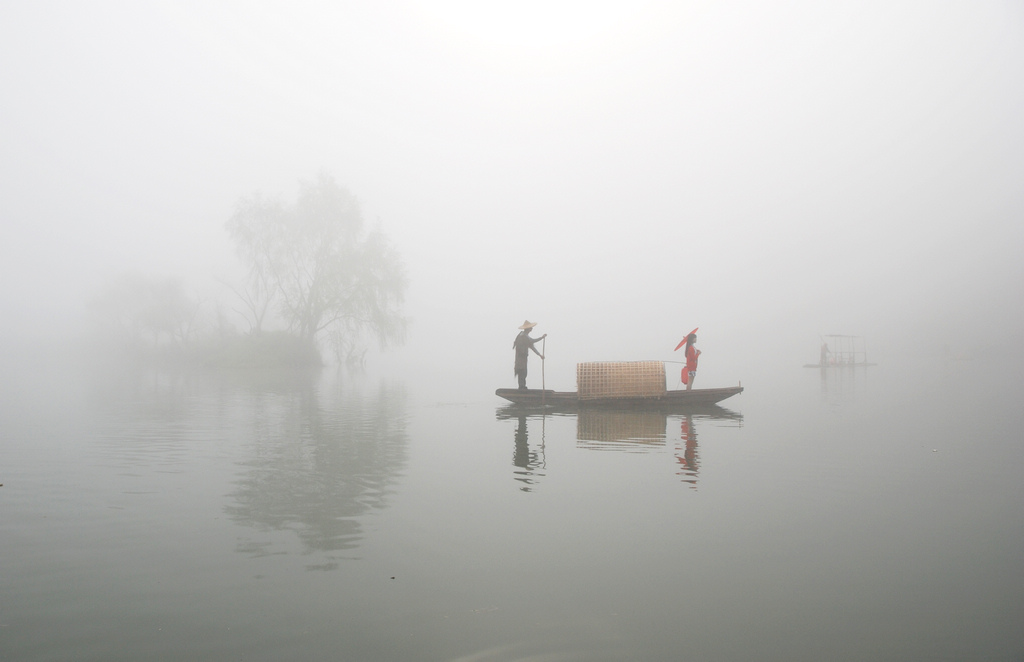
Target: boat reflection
(621, 430)
(844, 384)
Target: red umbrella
(683, 341)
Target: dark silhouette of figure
(523, 344)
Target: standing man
(523, 344)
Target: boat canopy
(843, 350)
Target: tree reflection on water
(319, 461)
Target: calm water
(875, 515)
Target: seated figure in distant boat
(523, 344)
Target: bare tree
(325, 273)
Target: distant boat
(839, 351)
(634, 384)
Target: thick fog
(619, 172)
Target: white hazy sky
(619, 171)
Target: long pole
(543, 405)
(544, 353)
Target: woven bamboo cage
(620, 379)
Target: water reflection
(319, 460)
(617, 430)
(529, 462)
(843, 383)
(686, 452)
(317, 453)
(621, 430)
(144, 419)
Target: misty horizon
(619, 173)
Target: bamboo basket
(620, 379)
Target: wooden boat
(620, 384)
(511, 410)
(671, 400)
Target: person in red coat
(692, 354)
